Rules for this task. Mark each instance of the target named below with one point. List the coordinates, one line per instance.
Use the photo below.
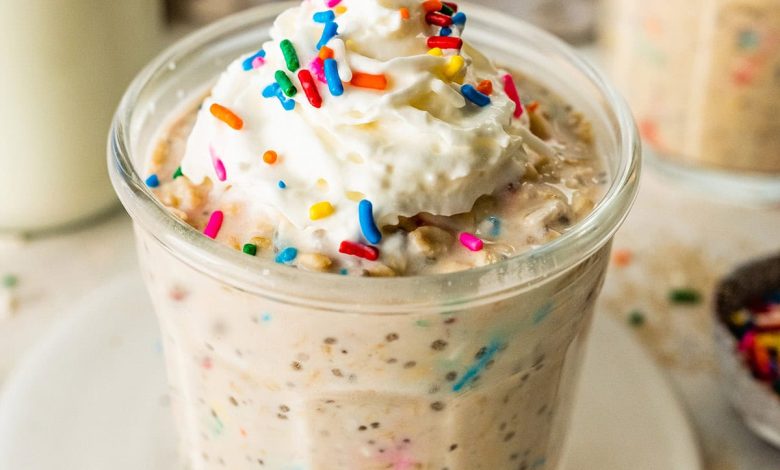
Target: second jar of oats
(703, 79)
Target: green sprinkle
(684, 296)
(250, 249)
(177, 173)
(10, 281)
(447, 10)
(636, 318)
(284, 82)
(290, 56)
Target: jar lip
(259, 275)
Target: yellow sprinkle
(321, 210)
(454, 66)
(340, 10)
(436, 51)
(355, 196)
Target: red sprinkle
(310, 88)
(445, 42)
(452, 5)
(511, 91)
(438, 19)
(361, 251)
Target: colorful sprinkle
(219, 167)
(287, 255)
(253, 61)
(451, 5)
(636, 318)
(285, 83)
(317, 67)
(153, 181)
(446, 31)
(214, 225)
(436, 51)
(459, 19)
(321, 210)
(332, 76)
(282, 184)
(367, 80)
(621, 258)
(438, 19)
(340, 10)
(685, 296)
(333, 3)
(329, 32)
(511, 91)
(485, 87)
(324, 16)
(325, 53)
(290, 56)
(227, 116)
(270, 157)
(474, 370)
(177, 173)
(274, 90)
(445, 42)
(250, 249)
(471, 242)
(404, 13)
(471, 94)
(432, 5)
(310, 88)
(359, 250)
(367, 222)
(454, 67)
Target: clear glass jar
(270, 364)
(572, 20)
(703, 78)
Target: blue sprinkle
(344, 271)
(326, 16)
(496, 226)
(287, 255)
(542, 313)
(270, 90)
(266, 317)
(330, 31)
(332, 76)
(274, 90)
(475, 96)
(282, 184)
(445, 31)
(367, 222)
(459, 18)
(247, 64)
(478, 367)
(153, 181)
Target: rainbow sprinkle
(282, 184)
(254, 61)
(285, 84)
(359, 250)
(329, 32)
(250, 249)
(333, 3)
(324, 16)
(219, 167)
(471, 242)
(367, 223)
(310, 88)
(332, 76)
(270, 157)
(475, 96)
(274, 90)
(445, 42)
(227, 116)
(459, 19)
(290, 56)
(367, 80)
(321, 210)
(177, 173)
(214, 225)
(287, 255)
(511, 91)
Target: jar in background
(572, 20)
(703, 78)
(64, 67)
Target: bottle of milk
(63, 67)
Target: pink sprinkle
(333, 3)
(747, 342)
(258, 62)
(511, 91)
(219, 167)
(214, 225)
(471, 242)
(317, 67)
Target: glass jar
(572, 20)
(703, 78)
(64, 68)
(292, 369)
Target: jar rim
(266, 278)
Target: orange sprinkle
(270, 157)
(621, 258)
(532, 106)
(227, 116)
(326, 53)
(367, 80)
(404, 13)
(432, 5)
(486, 87)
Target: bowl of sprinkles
(747, 333)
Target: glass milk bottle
(703, 79)
(63, 67)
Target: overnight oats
(703, 79)
(368, 246)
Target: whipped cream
(419, 146)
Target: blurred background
(702, 77)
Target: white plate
(91, 396)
